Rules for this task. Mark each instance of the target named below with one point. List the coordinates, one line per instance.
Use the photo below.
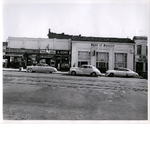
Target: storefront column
(144, 66)
(26, 59)
(111, 59)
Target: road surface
(41, 96)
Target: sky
(89, 18)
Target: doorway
(139, 67)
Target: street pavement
(41, 96)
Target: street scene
(75, 74)
(61, 96)
(69, 65)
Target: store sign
(141, 58)
(22, 50)
(62, 52)
(46, 56)
(16, 50)
(107, 45)
(47, 51)
(32, 51)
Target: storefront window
(17, 61)
(84, 58)
(120, 60)
(146, 50)
(139, 49)
(32, 60)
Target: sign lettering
(62, 52)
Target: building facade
(30, 51)
(63, 51)
(141, 54)
(103, 53)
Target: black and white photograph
(74, 74)
(75, 61)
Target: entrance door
(139, 67)
(58, 61)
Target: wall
(39, 43)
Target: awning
(13, 55)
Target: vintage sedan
(125, 72)
(41, 68)
(85, 70)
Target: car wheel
(111, 75)
(30, 70)
(93, 74)
(73, 73)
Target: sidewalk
(24, 70)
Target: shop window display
(17, 61)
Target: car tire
(30, 70)
(111, 74)
(93, 74)
(73, 73)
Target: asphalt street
(41, 96)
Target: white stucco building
(103, 53)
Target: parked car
(121, 72)
(85, 70)
(41, 68)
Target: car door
(120, 72)
(85, 70)
(38, 68)
(47, 68)
(89, 70)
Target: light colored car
(121, 72)
(41, 68)
(85, 70)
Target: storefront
(21, 57)
(59, 59)
(30, 51)
(141, 64)
(141, 54)
(62, 60)
(48, 57)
